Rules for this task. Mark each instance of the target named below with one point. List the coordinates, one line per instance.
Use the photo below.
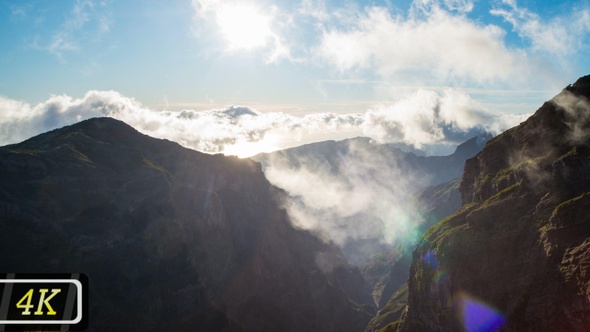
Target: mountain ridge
(516, 252)
(447, 167)
(170, 238)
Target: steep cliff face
(516, 255)
(171, 239)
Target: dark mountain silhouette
(171, 239)
(515, 257)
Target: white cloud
(212, 131)
(314, 8)
(19, 11)
(86, 24)
(61, 42)
(426, 6)
(459, 5)
(361, 202)
(421, 119)
(560, 36)
(433, 43)
(428, 117)
(440, 47)
(577, 117)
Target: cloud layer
(421, 119)
(560, 36)
(441, 45)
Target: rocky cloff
(516, 256)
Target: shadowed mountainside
(516, 255)
(170, 238)
(434, 203)
(399, 193)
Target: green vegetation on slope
(390, 314)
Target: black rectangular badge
(43, 302)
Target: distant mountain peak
(98, 123)
(105, 128)
(473, 145)
(102, 126)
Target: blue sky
(293, 57)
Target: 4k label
(48, 302)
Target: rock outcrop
(170, 239)
(516, 255)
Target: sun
(243, 26)
(246, 149)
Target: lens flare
(477, 316)
(430, 259)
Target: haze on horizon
(242, 77)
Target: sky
(240, 77)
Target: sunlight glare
(243, 26)
(245, 149)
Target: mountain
(515, 256)
(338, 155)
(170, 238)
(342, 184)
(373, 200)
(434, 203)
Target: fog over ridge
(420, 119)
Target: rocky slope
(516, 256)
(170, 239)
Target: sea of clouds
(420, 119)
